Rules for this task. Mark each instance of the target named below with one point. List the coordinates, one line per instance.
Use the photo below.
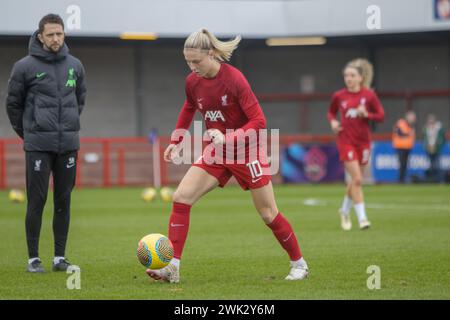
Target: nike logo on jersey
(255, 180)
(214, 115)
(40, 75)
(199, 102)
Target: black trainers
(35, 266)
(62, 265)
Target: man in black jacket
(46, 95)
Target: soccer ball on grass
(148, 194)
(166, 194)
(155, 251)
(16, 195)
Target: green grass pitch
(231, 254)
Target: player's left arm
(250, 105)
(375, 111)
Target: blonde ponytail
(364, 68)
(205, 40)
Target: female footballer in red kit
(225, 100)
(357, 105)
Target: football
(16, 195)
(155, 251)
(148, 194)
(166, 194)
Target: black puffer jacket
(46, 94)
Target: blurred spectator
(403, 138)
(443, 9)
(434, 141)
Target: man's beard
(51, 49)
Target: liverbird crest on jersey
(224, 101)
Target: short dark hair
(50, 18)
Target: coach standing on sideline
(46, 94)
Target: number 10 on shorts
(255, 169)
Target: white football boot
(346, 223)
(298, 273)
(364, 224)
(169, 273)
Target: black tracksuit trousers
(39, 165)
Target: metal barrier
(120, 161)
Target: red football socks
(282, 230)
(179, 227)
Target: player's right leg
(355, 171)
(196, 183)
(345, 208)
(38, 167)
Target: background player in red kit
(357, 105)
(224, 98)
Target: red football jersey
(225, 102)
(356, 129)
